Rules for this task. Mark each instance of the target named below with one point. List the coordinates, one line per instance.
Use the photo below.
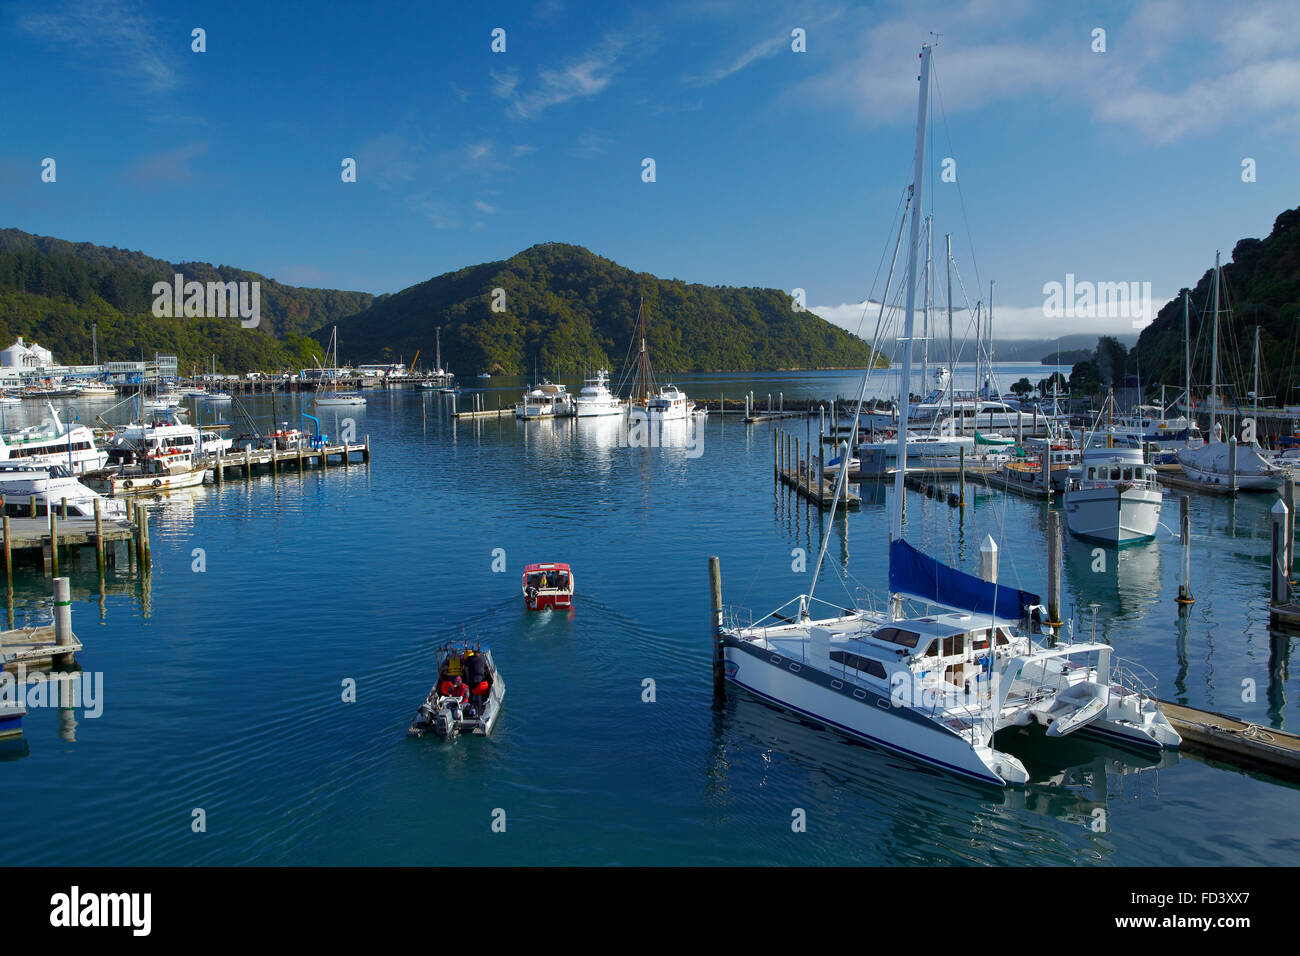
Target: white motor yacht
(596, 399)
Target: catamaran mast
(929, 269)
(1255, 405)
(909, 317)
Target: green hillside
(52, 290)
(567, 309)
(1261, 286)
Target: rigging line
(843, 476)
(961, 196)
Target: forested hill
(567, 309)
(1261, 286)
(51, 291)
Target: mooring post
(33, 506)
(776, 453)
(844, 464)
(367, 449)
(1047, 470)
(248, 462)
(989, 560)
(9, 558)
(715, 603)
(769, 403)
(146, 558)
(780, 398)
(217, 469)
(54, 539)
(1288, 496)
(1281, 554)
(1054, 569)
(798, 460)
(99, 535)
(1185, 598)
(821, 467)
(63, 508)
(961, 476)
(1232, 464)
(63, 619)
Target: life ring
(172, 451)
(157, 482)
(127, 483)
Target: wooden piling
(1054, 569)
(63, 508)
(1185, 598)
(367, 459)
(776, 453)
(715, 604)
(54, 541)
(99, 536)
(9, 558)
(33, 506)
(146, 559)
(961, 476)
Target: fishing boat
(484, 376)
(51, 488)
(97, 390)
(1112, 497)
(544, 401)
(548, 586)
(1025, 470)
(9, 398)
(1213, 462)
(596, 399)
(465, 699)
(54, 443)
(936, 686)
(333, 397)
(12, 713)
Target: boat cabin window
(859, 663)
(1128, 474)
(895, 635)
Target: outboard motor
(531, 596)
(445, 723)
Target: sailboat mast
(1255, 405)
(645, 391)
(952, 368)
(438, 349)
(1214, 351)
(905, 398)
(1187, 374)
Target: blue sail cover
(920, 576)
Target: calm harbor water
(222, 689)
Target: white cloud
(583, 76)
(113, 32)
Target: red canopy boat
(548, 585)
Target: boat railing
(1130, 675)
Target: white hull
(865, 718)
(1210, 464)
(1102, 514)
(155, 484)
(924, 447)
(597, 409)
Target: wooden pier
(237, 462)
(820, 493)
(1235, 741)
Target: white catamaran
(935, 687)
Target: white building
(23, 356)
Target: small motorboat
(548, 586)
(465, 699)
(12, 713)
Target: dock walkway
(243, 462)
(1235, 741)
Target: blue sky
(773, 168)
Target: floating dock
(243, 462)
(33, 647)
(820, 493)
(1235, 741)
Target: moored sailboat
(936, 687)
